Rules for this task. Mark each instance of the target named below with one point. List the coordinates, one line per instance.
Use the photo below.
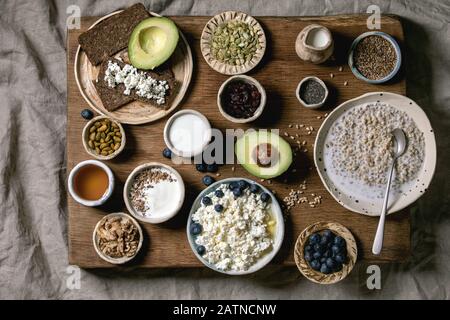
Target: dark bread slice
(111, 35)
(112, 98)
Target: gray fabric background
(33, 211)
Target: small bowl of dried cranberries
(241, 99)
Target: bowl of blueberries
(325, 252)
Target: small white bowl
(159, 218)
(85, 139)
(316, 105)
(206, 136)
(106, 195)
(108, 258)
(246, 79)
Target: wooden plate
(370, 200)
(136, 112)
(316, 276)
(208, 31)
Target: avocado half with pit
(152, 42)
(264, 154)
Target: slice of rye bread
(113, 98)
(111, 35)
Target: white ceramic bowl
(366, 201)
(246, 79)
(108, 191)
(316, 105)
(179, 198)
(276, 212)
(106, 257)
(206, 136)
(85, 138)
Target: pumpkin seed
(232, 40)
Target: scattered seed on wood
(345, 83)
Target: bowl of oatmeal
(354, 150)
(154, 192)
(235, 226)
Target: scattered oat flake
(340, 68)
(345, 83)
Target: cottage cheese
(144, 85)
(238, 236)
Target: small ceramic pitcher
(314, 44)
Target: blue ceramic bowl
(397, 51)
(279, 231)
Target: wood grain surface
(279, 72)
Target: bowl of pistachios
(233, 43)
(103, 138)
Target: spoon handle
(378, 241)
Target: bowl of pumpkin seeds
(233, 43)
(103, 138)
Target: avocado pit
(265, 155)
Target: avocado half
(152, 42)
(264, 154)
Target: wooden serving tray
(280, 71)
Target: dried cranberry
(241, 99)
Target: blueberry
(308, 257)
(254, 188)
(167, 153)
(331, 263)
(233, 185)
(212, 167)
(324, 240)
(340, 258)
(218, 208)
(323, 260)
(325, 269)
(265, 197)
(328, 233)
(237, 192)
(208, 180)
(308, 249)
(87, 114)
(318, 248)
(327, 254)
(218, 193)
(339, 241)
(315, 265)
(314, 238)
(335, 249)
(317, 255)
(196, 228)
(201, 167)
(201, 250)
(206, 201)
(242, 184)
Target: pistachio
(104, 137)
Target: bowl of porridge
(354, 150)
(235, 226)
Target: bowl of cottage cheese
(235, 226)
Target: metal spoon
(400, 147)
